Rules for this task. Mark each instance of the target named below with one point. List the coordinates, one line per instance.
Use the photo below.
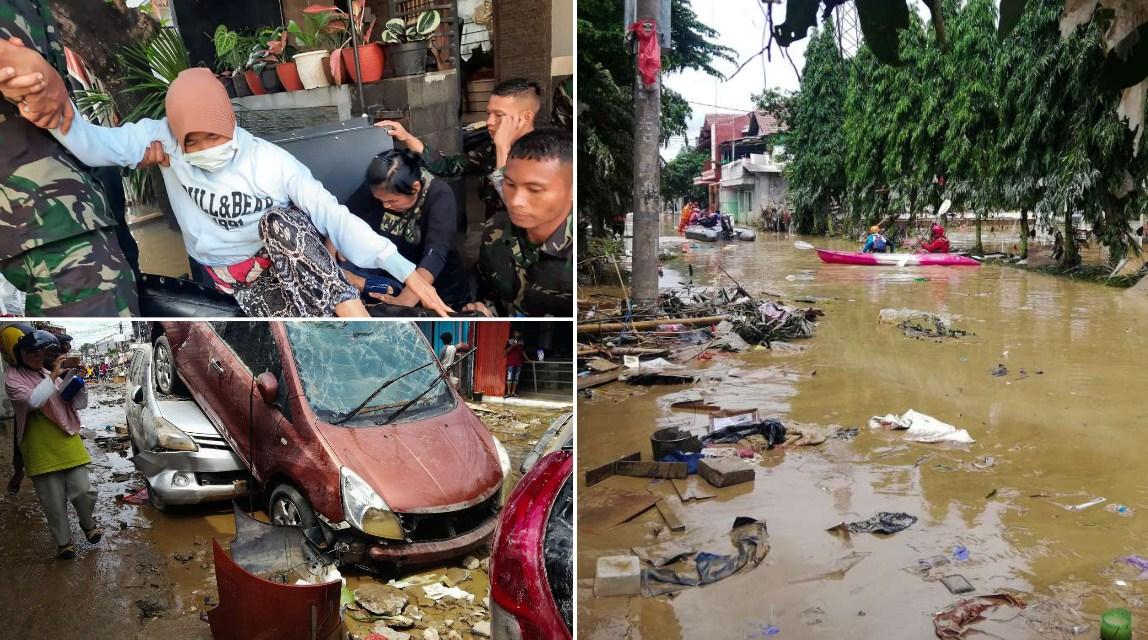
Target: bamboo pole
(607, 327)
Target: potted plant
(229, 62)
(264, 60)
(356, 23)
(313, 38)
(406, 45)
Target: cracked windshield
(344, 364)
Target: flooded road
(152, 576)
(1065, 423)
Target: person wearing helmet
(876, 242)
(938, 242)
(47, 434)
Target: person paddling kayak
(939, 242)
(876, 242)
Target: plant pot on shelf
(228, 85)
(370, 60)
(310, 67)
(254, 83)
(289, 75)
(405, 59)
(270, 79)
(239, 83)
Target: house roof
(733, 126)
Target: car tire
(288, 507)
(167, 380)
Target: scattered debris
(921, 428)
(954, 621)
(604, 507)
(1120, 510)
(1084, 505)
(150, 607)
(725, 472)
(647, 379)
(138, 497)
(844, 433)
(771, 429)
(381, 599)
(884, 522)
(642, 469)
(618, 576)
(840, 568)
(960, 553)
(748, 536)
(957, 584)
(438, 591)
(659, 555)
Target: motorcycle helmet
(9, 336)
(34, 341)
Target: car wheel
(163, 366)
(288, 507)
(153, 498)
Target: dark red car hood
(422, 466)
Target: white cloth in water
(921, 428)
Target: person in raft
(250, 212)
(939, 242)
(876, 242)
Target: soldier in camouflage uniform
(526, 262)
(57, 234)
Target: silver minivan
(180, 453)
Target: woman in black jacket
(417, 212)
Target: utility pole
(647, 183)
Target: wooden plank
(597, 379)
(671, 514)
(598, 474)
(602, 508)
(642, 469)
(691, 489)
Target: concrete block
(618, 576)
(723, 472)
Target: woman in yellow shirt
(48, 433)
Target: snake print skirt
(303, 280)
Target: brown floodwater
(1066, 423)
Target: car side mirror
(137, 395)
(268, 386)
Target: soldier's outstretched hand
(27, 79)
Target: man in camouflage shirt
(525, 264)
(57, 235)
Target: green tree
(816, 170)
(678, 176)
(605, 111)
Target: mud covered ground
(1049, 385)
(152, 575)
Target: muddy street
(1046, 384)
(152, 575)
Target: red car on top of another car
(351, 429)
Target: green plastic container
(1116, 624)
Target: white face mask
(215, 158)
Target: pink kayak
(896, 259)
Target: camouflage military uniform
(57, 236)
(518, 277)
(479, 161)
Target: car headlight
(504, 462)
(366, 510)
(172, 439)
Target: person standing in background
(515, 358)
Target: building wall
(769, 189)
(522, 46)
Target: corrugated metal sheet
(490, 361)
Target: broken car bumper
(428, 552)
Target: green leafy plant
(96, 104)
(316, 33)
(397, 30)
(344, 24)
(150, 68)
(270, 48)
